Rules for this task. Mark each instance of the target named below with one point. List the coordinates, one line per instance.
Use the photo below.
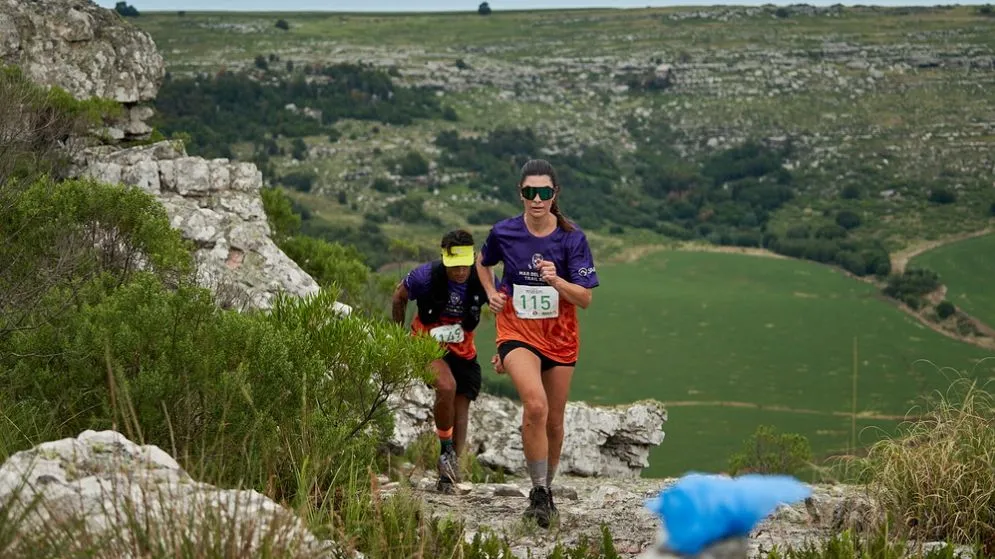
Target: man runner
(449, 297)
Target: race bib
(448, 334)
(536, 301)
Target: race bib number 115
(535, 302)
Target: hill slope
(749, 126)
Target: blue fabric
(702, 509)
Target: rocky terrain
(100, 486)
(105, 486)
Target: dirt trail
(631, 254)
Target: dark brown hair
(539, 167)
(457, 238)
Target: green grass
(725, 338)
(966, 268)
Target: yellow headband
(461, 256)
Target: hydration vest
(433, 303)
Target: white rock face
(81, 47)
(118, 490)
(216, 203)
(87, 50)
(598, 441)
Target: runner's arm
(399, 303)
(486, 275)
(576, 294)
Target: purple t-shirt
(511, 242)
(418, 283)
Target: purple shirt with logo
(418, 283)
(511, 242)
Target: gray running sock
(537, 471)
(550, 472)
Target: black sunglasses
(544, 192)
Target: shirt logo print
(536, 261)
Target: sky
(469, 5)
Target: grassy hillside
(829, 134)
(879, 113)
(966, 268)
(733, 341)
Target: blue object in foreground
(700, 509)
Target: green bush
(912, 285)
(942, 195)
(35, 121)
(413, 164)
(945, 309)
(61, 234)
(770, 452)
(848, 219)
(249, 397)
(269, 392)
(332, 265)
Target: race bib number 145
(535, 302)
(449, 334)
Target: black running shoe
(540, 506)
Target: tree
(125, 10)
(848, 219)
(282, 24)
(484, 9)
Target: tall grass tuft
(937, 478)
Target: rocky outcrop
(216, 203)
(598, 441)
(101, 487)
(88, 51)
(92, 52)
(587, 504)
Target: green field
(967, 268)
(723, 338)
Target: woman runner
(548, 273)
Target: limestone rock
(216, 204)
(81, 47)
(128, 493)
(598, 441)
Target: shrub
(848, 219)
(413, 164)
(62, 234)
(270, 393)
(331, 264)
(35, 123)
(767, 451)
(300, 180)
(945, 309)
(942, 195)
(851, 192)
(486, 216)
(912, 285)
